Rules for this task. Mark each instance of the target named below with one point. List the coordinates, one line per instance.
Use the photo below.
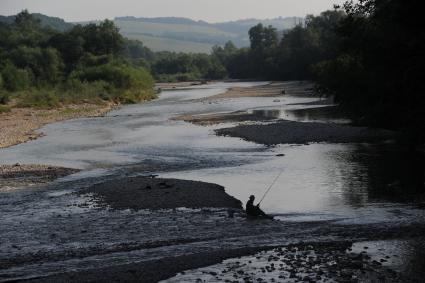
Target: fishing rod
(270, 187)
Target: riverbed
(326, 191)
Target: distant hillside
(186, 35)
(177, 34)
(46, 21)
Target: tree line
(42, 67)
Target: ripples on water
(349, 183)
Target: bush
(4, 109)
(15, 79)
(179, 77)
(4, 97)
(117, 81)
(38, 99)
(74, 91)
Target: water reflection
(321, 114)
(321, 181)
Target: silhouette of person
(254, 210)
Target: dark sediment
(233, 117)
(30, 174)
(150, 271)
(291, 132)
(304, 262)
(151, 193)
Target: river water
(344, 183)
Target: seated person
(254, 210)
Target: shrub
(4, 97)
(15, 79)
(38, 99)
(75, 91)
(117, 81)
(4, 108)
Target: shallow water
(342, 183)
(314, 113)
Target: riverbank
(20, 125)
(177, 85)
(24, 175)
(156, 193)
(272, 89)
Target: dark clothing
(254, 211)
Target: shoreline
(271, 89)
(20, 124)
(140, 193)
(27, 175)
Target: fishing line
(271, 186)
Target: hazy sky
(208, 10)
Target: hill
(186, 35)
(177, 34)
(46, 21)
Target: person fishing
(255, 210)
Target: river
(348, 184)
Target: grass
(4, 108)
(40, 99)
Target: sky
(208, 10)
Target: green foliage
(73, 91)
(4, 96)
(262, 37)
(46, 68)
(119, 82)
(38, 99)
(24, 20)
(4, 108)
(45, 63)
(291, 57)
(135, 49)
(15, 79)
(185, 67)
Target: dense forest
(368, 54)
(43, 67)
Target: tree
(24, 20)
